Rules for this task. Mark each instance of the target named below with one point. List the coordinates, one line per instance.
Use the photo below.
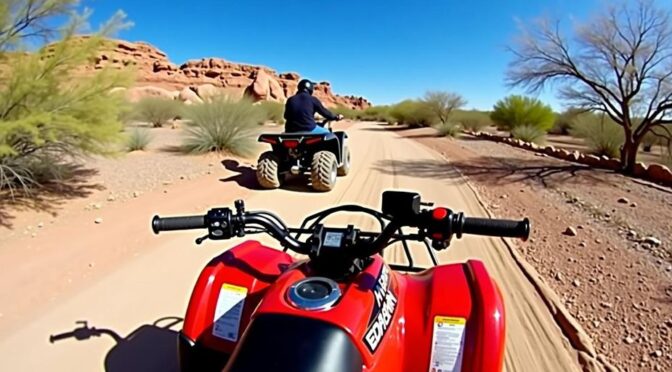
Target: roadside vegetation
(138, 139)
(156, 111)
(222, 125)
(617, 64)
(48, 115)
(273, 111)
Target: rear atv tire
(323, 171)
(344, 169)
(267, 171)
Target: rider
(300, 111)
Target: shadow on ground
(151, 347)
(246, 177)
(49, 196)
(495, 171)
(386, 128)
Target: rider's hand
(340, 117)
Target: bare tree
(619, 63)
(442, 104)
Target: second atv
(323, 156)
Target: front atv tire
(344, 169)
(267, 170)
(323, 171)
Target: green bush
(347, 113)
(601, 134)
(377, 113)
(529, 133)
(515, 111)
(563, 122)
(413, 113)
(448, 129)
(273, 111)
(472, 120)
(222, 125)
(50, 115)
(138, 139)
(156, 111)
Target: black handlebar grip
(494, 227)
(177, 223)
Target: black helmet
(306, 85)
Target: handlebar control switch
(219, 223)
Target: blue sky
(383, 50)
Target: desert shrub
(514, 111)
(448, 129)
(222, 124)
(156, 111)
(472, 120)
(138, 139)
(413, 113)
(273, 111)
(601, 134)
(377, 113)
(529, 133)
(347, 112)
(442, 104)
(49, 115)
(563, 121)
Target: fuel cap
(315, 293)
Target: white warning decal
(228, 312)
(447, 344)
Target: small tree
(619, 63)
(48, 114)
(442, 104)
(516, 111)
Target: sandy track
(156, 282)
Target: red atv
(255, 308)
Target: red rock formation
(261, 83)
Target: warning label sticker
(447, 344)
(229, 311)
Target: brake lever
(202, 239)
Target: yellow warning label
(447, 344)
(446, 320)
(233, 288)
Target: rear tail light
(310, 141)
(290, 144)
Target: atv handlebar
(495, 227)
(178, 223)
(439, 225)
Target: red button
(440, 213)
(437, 236)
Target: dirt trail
(155, 282)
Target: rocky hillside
(199, 79)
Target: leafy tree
(442, 104)
(48, 114)
(515, 111)
(619, 63)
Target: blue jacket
(300, 112)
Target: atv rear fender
(249, 265)
(332, 142)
